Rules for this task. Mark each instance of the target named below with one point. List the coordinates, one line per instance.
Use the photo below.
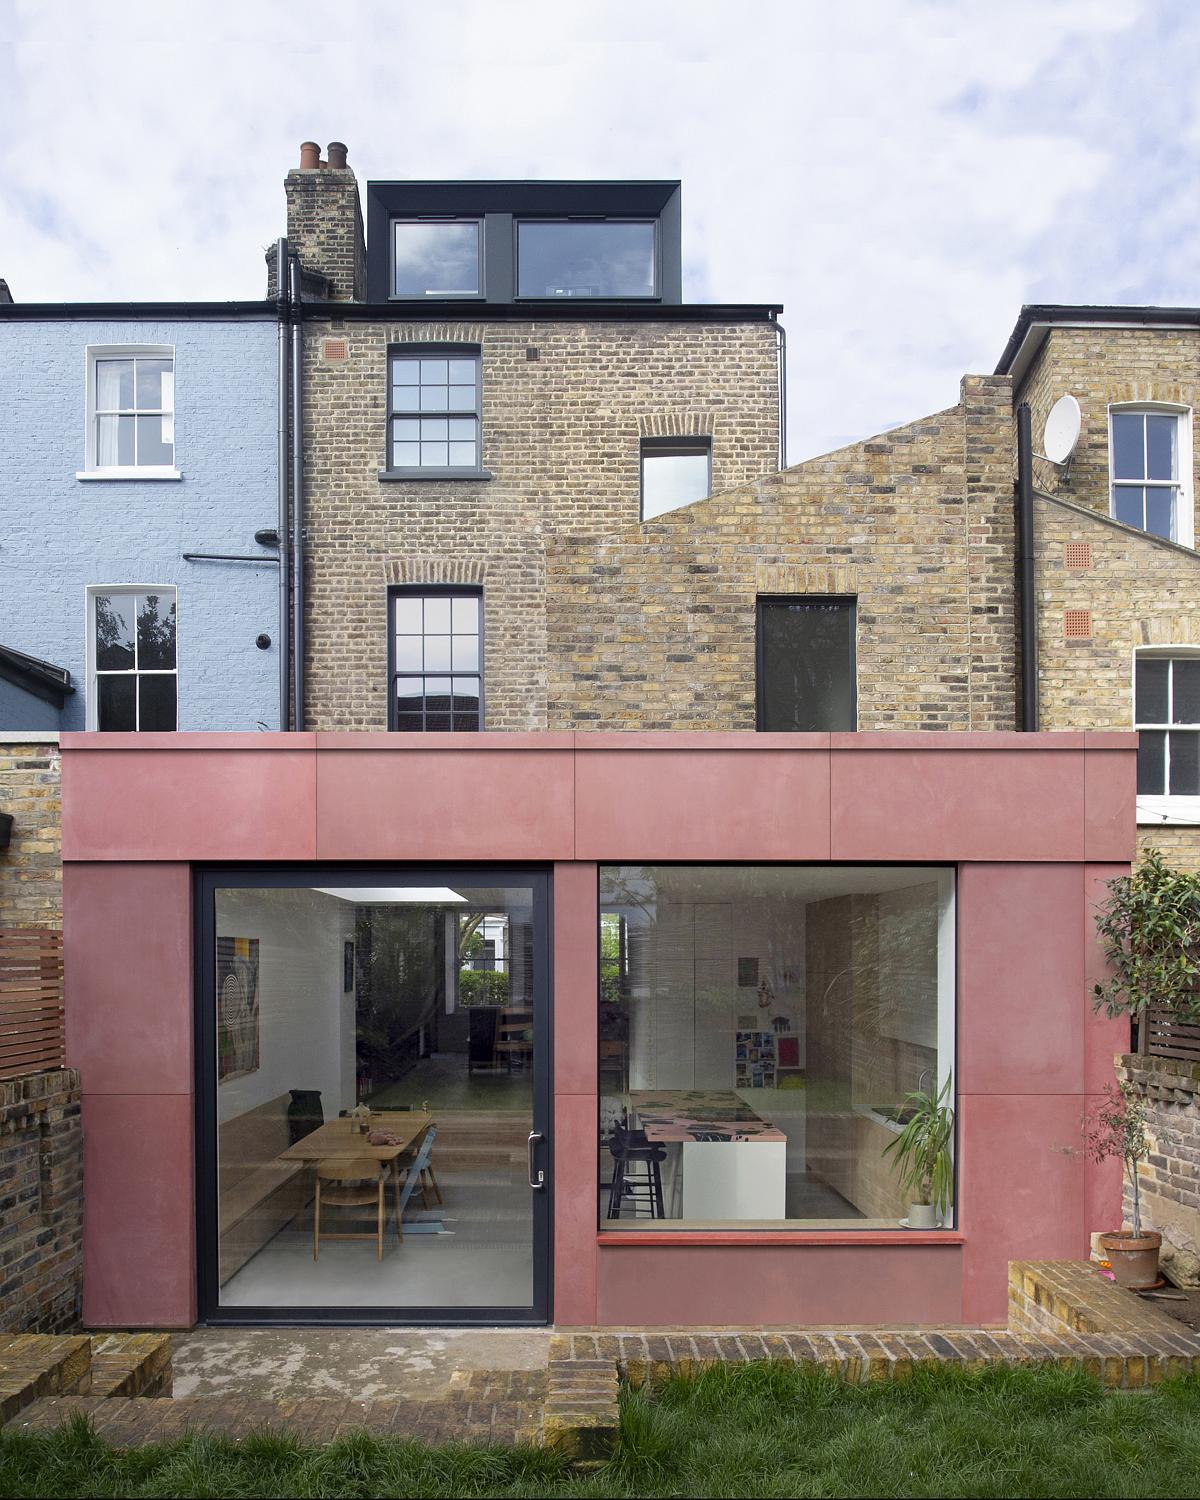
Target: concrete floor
(367, 1364)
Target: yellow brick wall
(31, 867)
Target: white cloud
(900, 175)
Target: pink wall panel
(443, 803)
(962, 804)
(1110, 830)
(1022, 1002)
(127, 935)
(703, 804)
(1103, 1037)
(576, 1195)
(710, 1285)
(139, 1265)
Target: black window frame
(431, 219)
(850, 601)
(684, 446)
(394, 471)
(426, 591)
(653, 220)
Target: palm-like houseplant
(921, 1154)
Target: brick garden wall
(31, 867)
(1169, 1180)
(41, 1203)
(654, 627)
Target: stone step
(37, 1365)
(131, 1364)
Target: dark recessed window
(133, 656)
(435, 259)
(806, 668)
(603, 258)
(674, 474)
(434, 414)
(437, 659)
(1166, 712)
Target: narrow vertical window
(132, 647)
(1149, 456)
(437, 660)
(806, 664)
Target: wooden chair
(357, 1183)
(514, 1035)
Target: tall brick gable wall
(654, 628)
(561, 438)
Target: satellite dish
(1061, 432)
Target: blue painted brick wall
(58, 534)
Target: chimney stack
(325, 224)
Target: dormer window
(436, 258)
(588, 258)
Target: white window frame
(91, 469)
(1159, 808)
(92, 705)
(1185, 520)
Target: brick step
(131, 1364)
(37, 1365)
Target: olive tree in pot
(1116, 1126)
(921, 1155)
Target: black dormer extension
(523, 242)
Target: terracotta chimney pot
(310, 155)
(337, 154)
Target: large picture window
(437, 659)
(432, 259)
(762, 1033)
(601, 258)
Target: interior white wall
(307, 1023)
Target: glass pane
(406, 371)
(437, 653)
(114, 441)
(807, 665)
(155, 382)
(435, 260)
(462, 455)
(406, 430)
(154, 447)
(585, 260)
(434, 456)
(433, 371)
(466, 695)
(1185, 690)
(1161, 433)
(406, 455)
(1128, 505)
(465, 723)
(462, 430)
(410, 695)
(434, 398)
(156, 631)
(408, 723)
(116, 709)
(437, 694)
(114, 617)
(156, 695)
(408, 653)
(407, 614)
(465, 609)
(413, 1005)
(114, 385)
(1151, 762)
(433, 429)
(1129, 460)
(438, 723)
(466, 653)
(462, 398)
(1160, 512)
(406, 398)
(437, 614)
(1151, 675)
(670, 480)
(761, 1030)
(462, 372)
(1185, 764)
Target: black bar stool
(631, 1149)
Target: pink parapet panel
(724, 803)
(127, 935)
(1021, 981)
(576, 1200)
(1110, 833)
(139, 1263)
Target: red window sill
(617, 1240)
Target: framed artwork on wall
(238, 1017)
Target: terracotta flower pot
(1133, 1258)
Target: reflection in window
(1167, 716)
(806, 676)
(134, 413)
(596, 259)
(1145, 471)
(133, 649)
(437, 661)
(760, 1032)
(435, 412)
(674, 474)
(435, 260)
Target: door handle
(534, 1137)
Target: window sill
(1157, 812)
(129, 473)
(425, 476)
(615, 1238)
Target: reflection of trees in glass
(114, 635)
(156, 633)
(398, 984)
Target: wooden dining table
(341, 1140)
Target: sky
(900, 174)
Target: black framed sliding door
(373, 1094)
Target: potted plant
(921, 1155)
(1117, 1127)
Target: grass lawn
(741, 1431)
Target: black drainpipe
(1025, 553)
(781, 331)
(297, 498)
(285, 655)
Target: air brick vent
(1077, 554)
(1077, 624)
(335, 349)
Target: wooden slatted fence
(1161, 1036)
(31, 1000)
